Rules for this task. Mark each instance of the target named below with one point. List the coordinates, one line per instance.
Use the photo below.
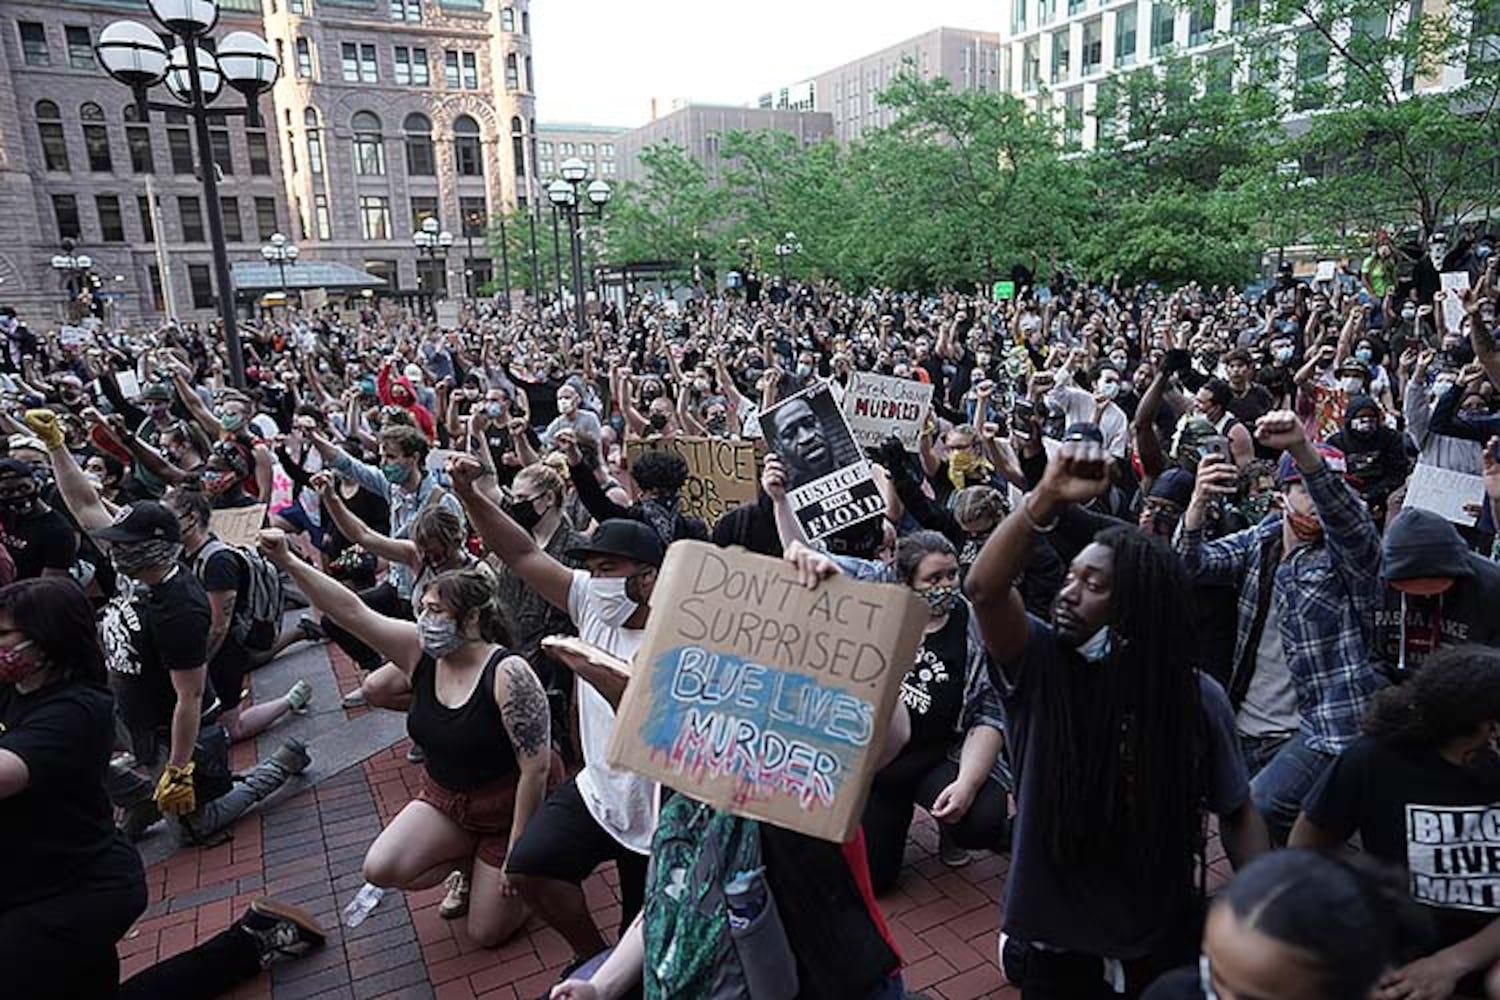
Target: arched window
(54, 143)
(420, 161)
(518, 146)
(314, 140)
(507, 19)
(512, 72)
(468, 152)
(95, 137)
(369, 149)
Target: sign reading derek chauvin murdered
(762, 697)
(878, 406)
(721, 474)
(828, 480)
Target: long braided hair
(1123, 736)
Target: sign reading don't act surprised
(761, 696)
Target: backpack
(265, 596)
(692, 951)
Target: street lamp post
(134, 55)
(536, 274)
(435, 241)
(785, 250)
(76, 267)
(281, 253)
(567, 194)
(505, 262)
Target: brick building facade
(386, 111)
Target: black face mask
(658, 421)
(17, 504)
(524, 513)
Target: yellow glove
(174, 792)
(44, 423)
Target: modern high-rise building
(1058, 52)
(968, 60)
(700, 129)
(387, 112)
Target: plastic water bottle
(364, 901)
(745, 896)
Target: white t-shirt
(622, 803)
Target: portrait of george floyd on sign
(761, 696)
(828, 480)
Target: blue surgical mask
(1097, 646)
(1364, 354)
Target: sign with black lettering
(762, 697)
(1453, 855)
(828, 480)
(879, 406)
(722, 474)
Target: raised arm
(195, 408)
(508, 540)
(77, 492)
(398, 641)
(396, 550)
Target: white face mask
(1096, 647)
(1109, 390)
(566, 405)
(1351, 384)
(607, 594)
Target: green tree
(670, 215)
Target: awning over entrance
(254, 277)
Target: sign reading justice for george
(762, 697)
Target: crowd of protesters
(1164, 538)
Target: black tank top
(467, 747)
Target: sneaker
(456, 902)
(298, 696)
(138, 819)
(281, 931)
(355, 698)
(292, 756)
(416, 755)
(950, 853)
(311, 629)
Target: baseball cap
(1174, 485)
(1287, 471)
(1083, 431)
(622, 537)
(145, 521)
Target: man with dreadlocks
(1119, 744)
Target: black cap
(624, 538)
(147, 521)
(1084, 432)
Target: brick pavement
(307, 849)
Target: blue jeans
(1280, 785)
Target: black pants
(1053, 975)
(381, 598)
(915, 778)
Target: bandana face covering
(16, 664)
(1306, 527)
(134, 558)
(940, 599)
(965, 467)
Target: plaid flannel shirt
(1327, 594)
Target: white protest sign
(828, 480)
(1455, 283)
(437, 459)
(1445, 492)
(1325, 270)
(129, 383)
(761, 696)
(447, 314)
(878, 406)
(73, 336)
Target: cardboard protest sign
(722, 474)
(759, 696)
(238, 525)
(1455, 283)
(878, 406)
(828, 480)
(1445, 492)
(447, 314)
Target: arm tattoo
(524, 711)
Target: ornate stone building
(387, 111)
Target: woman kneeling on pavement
(479, 790)
(72, 885)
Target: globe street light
(75, 267)
(281, 253)
(787, 248)
(434, 241)
(567, 194)
(134, 55)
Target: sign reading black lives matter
(828, 480)
(764, 697)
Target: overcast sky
(601, 61)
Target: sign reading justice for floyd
(761, 696)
